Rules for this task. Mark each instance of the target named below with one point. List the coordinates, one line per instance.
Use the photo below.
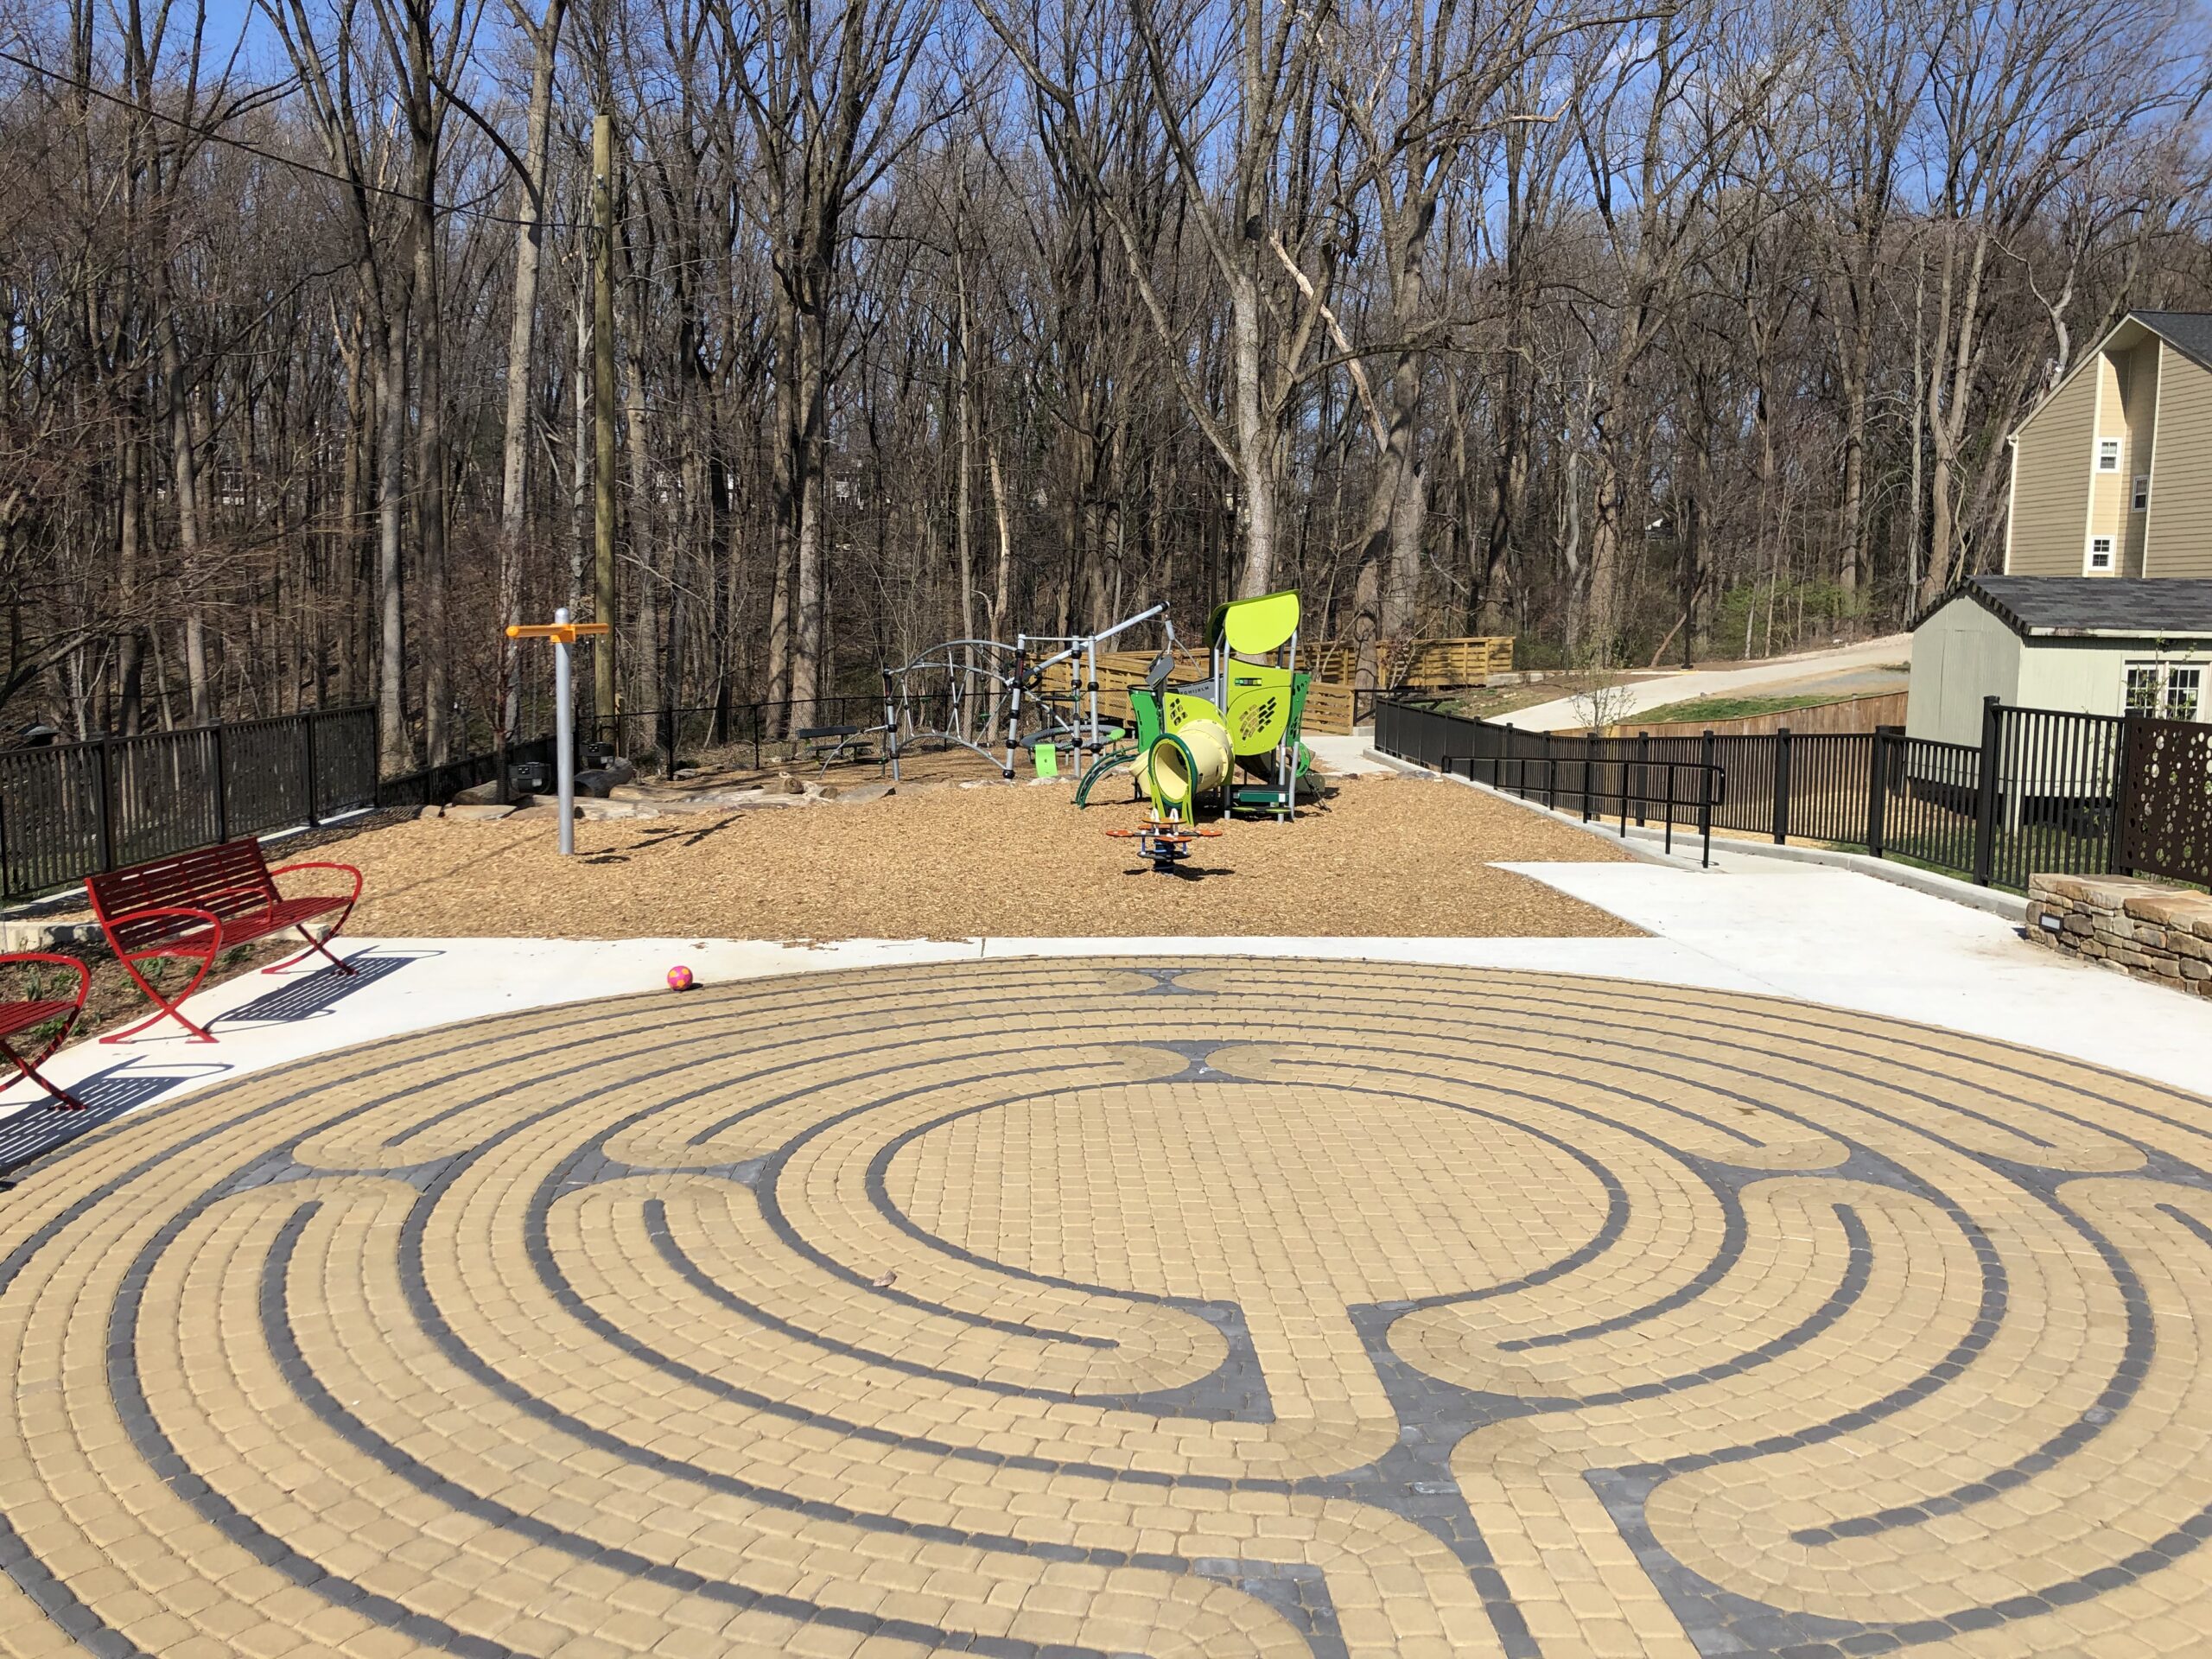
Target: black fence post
(222, 784)
(1878, 791)
(106, 816)
(307, 769)
(2123, 796)
(1707, 775)
(1780, 785)
(1985, 794)
(1643, 759)
(1551, 774)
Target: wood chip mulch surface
(1384, 857)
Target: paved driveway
(1097, 1307)
(1845, 671)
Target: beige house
(2112, 472)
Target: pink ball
(679, 978)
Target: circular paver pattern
(1105, 1307)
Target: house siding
(2053, 462)
(2107, 491)
(2178, 539)
(2138, 391)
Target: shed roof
(2091, 607)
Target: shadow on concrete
(38, 1129)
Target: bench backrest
(229, 880)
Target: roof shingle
(2055, 607)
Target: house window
(2107, 455)
(2142, 497)
(2184, 692)
(2100, 553)
(2171, 691)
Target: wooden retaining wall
(1328, 705)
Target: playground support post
(563, 633)
(564, 739)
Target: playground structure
(1190, 743)
(990, 691)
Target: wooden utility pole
(602, 401)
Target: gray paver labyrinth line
(1733, 1228)
(764, 1181)
(424, 1306)
(2025, 1203)
(1018, 1040)
(703, 1036)
(1750, 1100)
(2162, 1552)
(1161, 1402)
(162, 1455)
(1854, 1276)
(327, 1408)
(2139, 1346)
(1615, 1217)
(1739, 1036)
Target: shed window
(2100, 552)
(2171, 691)
(2142, 497)
(2107, 455)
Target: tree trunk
(397, 742)
(522, 342)
(430, 483)
(1255, 438)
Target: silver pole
(564, 744)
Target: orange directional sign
(565, 632)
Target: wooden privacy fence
(1867, 714)
(2166, 814)
(1328, 706)
(1415, 664)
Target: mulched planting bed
(1383, 856)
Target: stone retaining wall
(2140, 927)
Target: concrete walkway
(1816, 935)
(1775, 677)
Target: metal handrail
(1713, 779)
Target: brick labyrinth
(1092, 1308)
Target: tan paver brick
(1207, 1309)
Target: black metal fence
(2042, 791)
(757, 733)
(68, 809)
(1602, 778)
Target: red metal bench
(15, 1018)
(200, 904)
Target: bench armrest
(84, 972)
(110, 924)
(320, 864)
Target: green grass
(1732, 708)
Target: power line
(212, 135)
